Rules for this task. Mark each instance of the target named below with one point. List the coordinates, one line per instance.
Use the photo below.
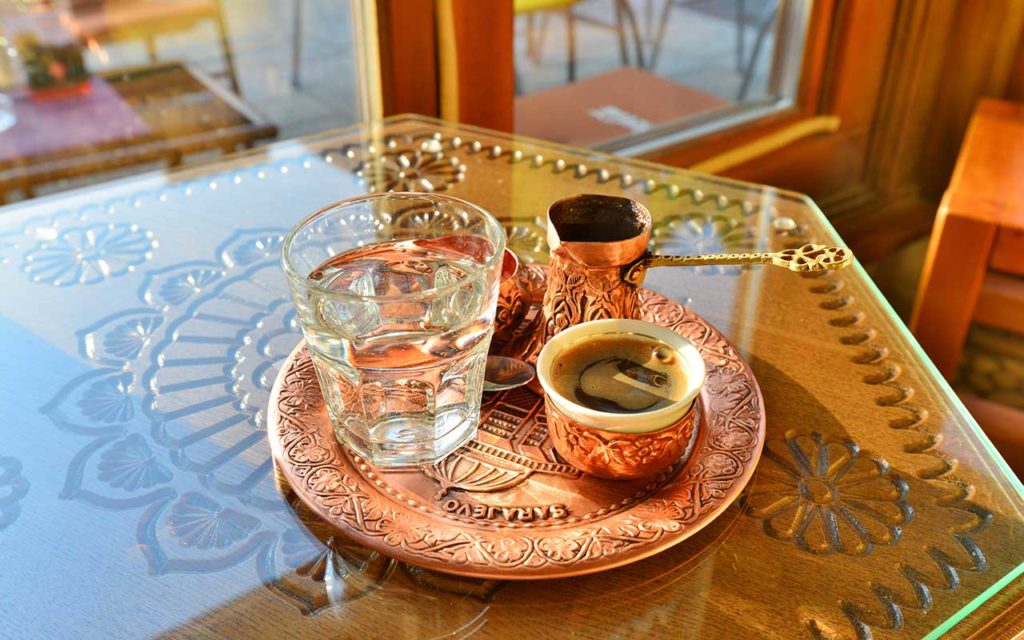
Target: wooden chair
(974, 269)
(114, 20)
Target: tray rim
(520, 573)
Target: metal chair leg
(630, 15)
(225, 45)
(570, 27)
(530, 48)
(660, 37)
(297, 45)
(741, 34)
(621, 30)
(542, 35)
(536, 35)
(755, 53)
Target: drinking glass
(396, 296)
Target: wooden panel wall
(407, 36)
(448, 58)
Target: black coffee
(619, 373)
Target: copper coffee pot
(594, 241)
(599, 257)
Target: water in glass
(400, 354)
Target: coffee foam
(620, 373)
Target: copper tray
(505, 506)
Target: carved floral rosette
(380, 510)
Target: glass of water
(396, 295)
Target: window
(633, 75)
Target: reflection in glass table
(143, 322)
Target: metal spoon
(506, 373)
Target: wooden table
(609, 105)
(142, 323)
(128, 117)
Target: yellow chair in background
(535, 40)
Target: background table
(142, 324)
(130, 116)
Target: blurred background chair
(969, 313)
(761, 14)
(537, 11)
(297, 13)
(609, 102)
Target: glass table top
(142, 323)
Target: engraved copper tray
(505, 506)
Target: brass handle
(810, 257)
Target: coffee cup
(621, 396)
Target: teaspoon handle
(810, 257)
(708, 259)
